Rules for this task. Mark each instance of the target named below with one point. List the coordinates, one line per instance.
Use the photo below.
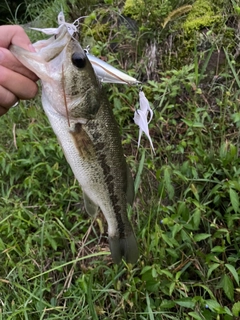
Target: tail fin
(125, 248)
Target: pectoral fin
(90, 206)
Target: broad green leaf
(175, 229)
(212, 268)
(227, 286)
(117, 103)
(193, 124)
(233, 272)
(222, 231)
(171, 288)
(41, 149)
(236, 117)
(201, 236)
(185, 236)
(167, 273)
(51, 241)
(168, 221)
(186, 303)
(170, 241)
(218, 249)
(234, 200)
(236, 309)
(195, 315)
(167, 304)
(32, 112)
(212, 304)
(167, 240)
(154, 273)
(233, 151)
(146, 269)
(196, 218)
(182, 208)
(194, 191)
(206, 288)
(228, 311)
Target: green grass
(55, 261)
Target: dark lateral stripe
(109, 180)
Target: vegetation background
(55, 261)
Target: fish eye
(79, 60)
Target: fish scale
(87, 132)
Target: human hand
(16, 81)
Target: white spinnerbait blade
(106, 73)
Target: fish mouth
(52, 47)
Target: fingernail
(31, 47)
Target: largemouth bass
(82, 119)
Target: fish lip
(54, 44)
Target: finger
(7, 100)
(20, 86)
(15, 35)
(8, 60)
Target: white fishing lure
(108, 74)
(141, 118)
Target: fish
(81, 117)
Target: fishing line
(64, 96)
